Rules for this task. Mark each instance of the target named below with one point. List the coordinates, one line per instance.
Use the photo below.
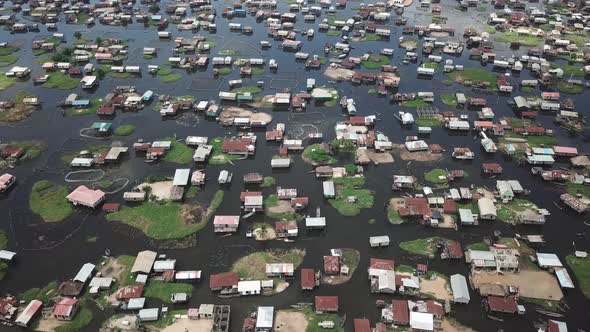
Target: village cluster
(532, 56)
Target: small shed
(460, 289)
(379, 241)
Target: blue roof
(81, 102)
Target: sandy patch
(270, 234)
(447, 221)
(436, 288)
(404, 154)
(49, 325)
(227, 116)
(117, 324)
(112, 269)
(533, 284)
(336, 73)
(160, 189)
(283, 206)
(451, 325)
(185, 324)
(411, 43)
(439, 34)
(290, 321)
(380, 157)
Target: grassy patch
(581, 269)
(192, 192)
(33, 149)
(124, 130)
(436, 176)
(164, 290)
(508, 211)
(428, 122)
(473, 75)
(572, 71)
(160, 221)
(369, 37)
(394, 217)
(91, 109)
(268, 181)
(372, 91)
(213, 206)
(525, 40)
(423, 247)
(5, 81)
(542, 140)
(351, 258)
(271, 201)
(343, 146)
(359, 198)
(575, 189)
(43, 294)
(319, 155)
(217, 157)
(490, 30)
(449, 100)
(58, 80)
(333, 32)
(253, 266)
(8, 50)
(247, 89)
(525, 252)
(7, 60)
(49, 201)
(82, 319)
(168, 76)
(226, 52)
(415, 103)
(570, 88)
(430, 64)
(224, 71)
(545, 304)
(375, 62)
(527, 89)
(478, 246)
(179, 153)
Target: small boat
(288, 240)
(550, 313)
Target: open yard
(423, 247)
(20, 111)
(318, 154)
(532, 284)
(581, 269)
(350, 198)
(217, 157)
(164, 290)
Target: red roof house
(362, 325)
(223, 280)
(331, 264)
(129, 292)
(401, 312)
(65, 309)
(502, 304)
(307, 279)
(86, 196)
(326, 304)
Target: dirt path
(283, 206)
(113, 269)
(450, 325)
(436, 288)
(269, 235)
(160, 189)
(290, 321)
(49, 325)
(533, 284)
(192, 325)
(404, 154)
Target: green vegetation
(7, 50)
(81, 320)
(58, 80)
(318, 155)
(168, 76)
(394, 217)
(160, 221)
(534, 140)
(224, 71)
(351, 257)
(227, 52)
(5, 81)
(508, 211)
(3, 245)
(372, 91)
(268, 181)
(122, 75)
(6, 60)
(472, 205)
(213, 206)
(256, 71)
(572, 71)
(93, 149)
(527, 89)
(247, 89)
(449, 100)
(525, 40)
(191, 192)
(581, 269)
(375, 62)
(545, 304)
(369, 37)
(428, 122)
(343, 146)
(423, 247)
(569, 87)
(91, 109)
(490, 30)
(437, 176)
(525, 251)
(350, 169)
(404, 269)
(49, 201)
(414, 103)
(478, 246)
(271, 201)
(217, 156)
(314, 319)
(43, 294)
(349, 198)
(472, 75)
(333, 32)
(253, 265)
(575, 189)
(430, 64)
(124, 130)
(33, 149)
(179, 153)
(163, 290)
